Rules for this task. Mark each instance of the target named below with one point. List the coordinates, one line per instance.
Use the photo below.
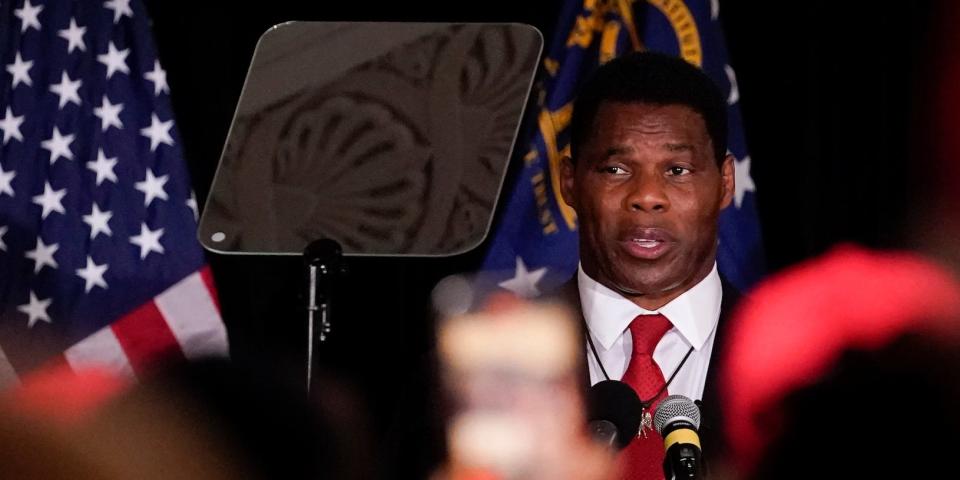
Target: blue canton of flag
(99, 262)
(535, 245)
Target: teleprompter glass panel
(390, 138)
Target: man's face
(648, 192)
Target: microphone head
(674, 408)
(617, 403)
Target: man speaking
(648, 175)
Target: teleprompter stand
(368, 139)
(324, 263)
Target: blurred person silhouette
(32, 449)
(260, 422)
(934, 165)
(206, 419)
(846, 366)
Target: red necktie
(643, 457)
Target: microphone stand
(324, 261)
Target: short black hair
(653, 78)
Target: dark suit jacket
(711, 437)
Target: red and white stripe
(181, 322)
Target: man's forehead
(670, 127)
(626, 148)
(649, 113)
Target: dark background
(828, 95)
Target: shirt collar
(694, 313)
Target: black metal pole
(324, 261)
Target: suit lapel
(710, 410)
(569, 294)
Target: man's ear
(728, 178)
(568, 181)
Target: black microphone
(614, 412)
(677, 419)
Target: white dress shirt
(694, 315)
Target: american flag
(99, 261)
